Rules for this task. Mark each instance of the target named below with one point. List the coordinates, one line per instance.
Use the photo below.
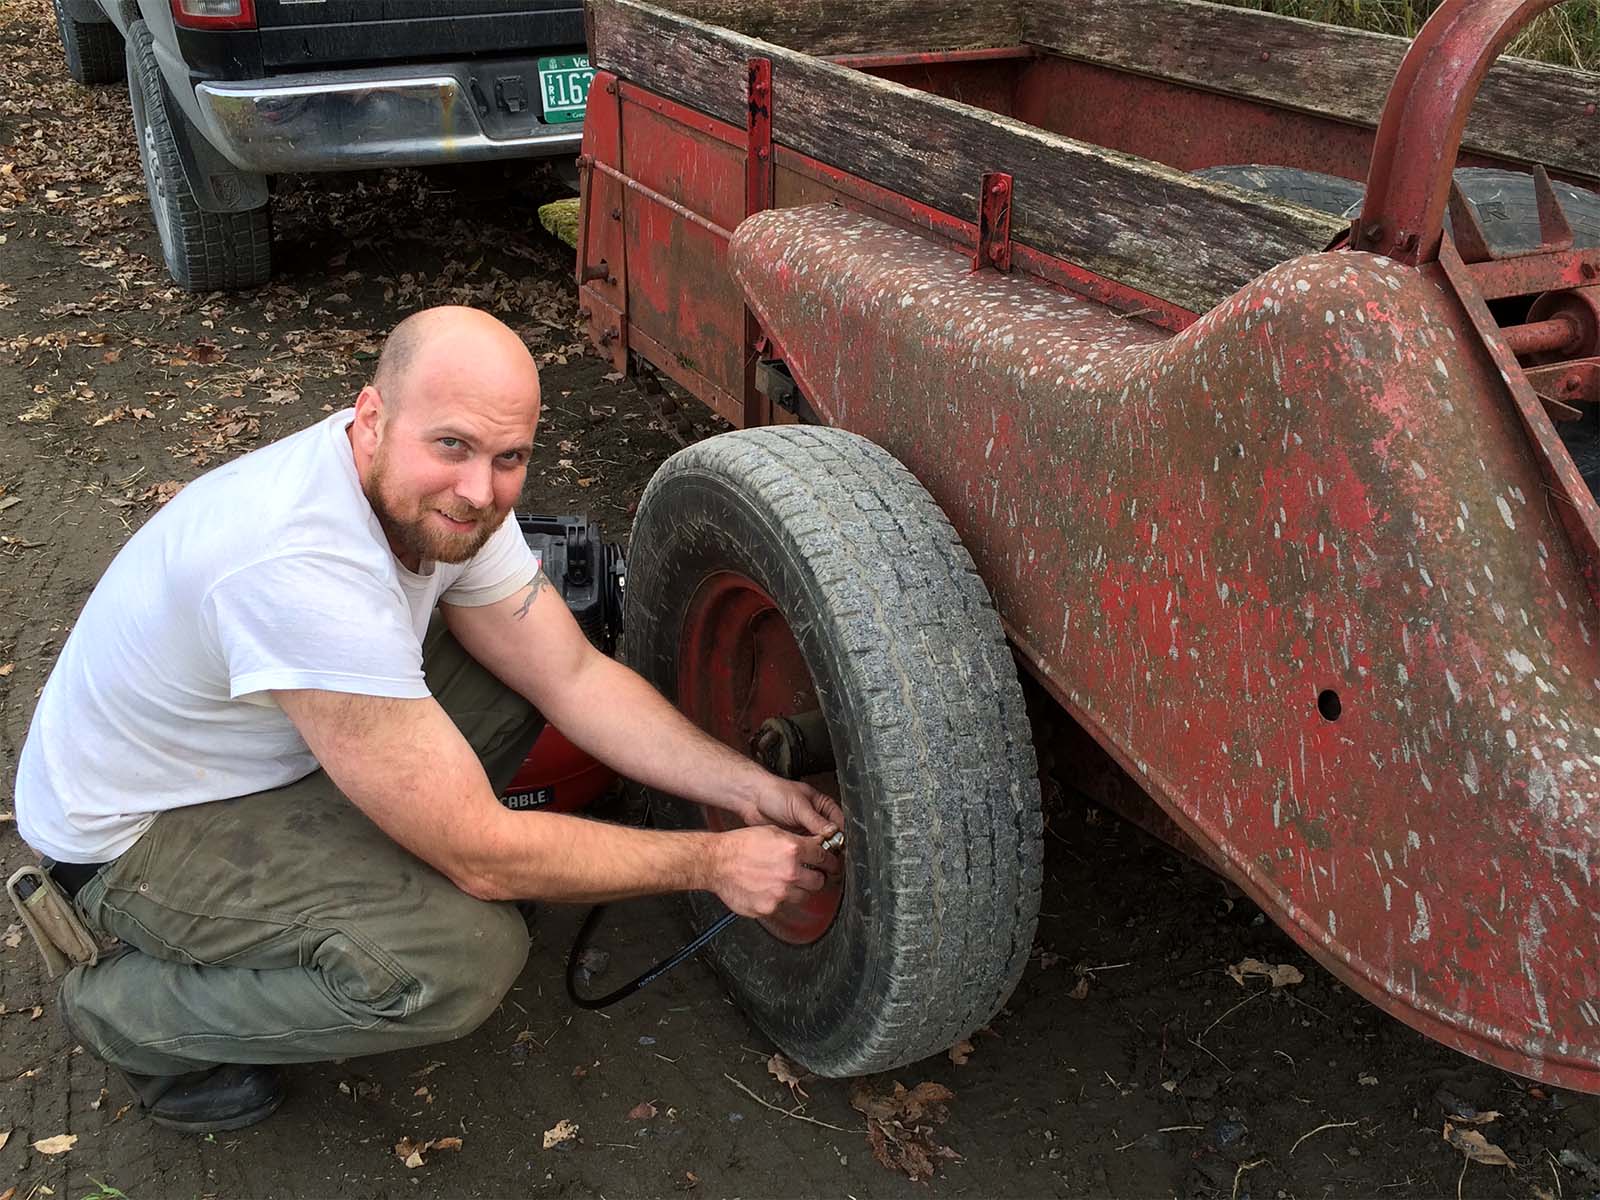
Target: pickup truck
(229, 93)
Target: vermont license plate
(564, 83)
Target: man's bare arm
(405, 765)
(533, 643)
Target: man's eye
(450, 443)
(514, 456)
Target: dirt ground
(1128, 1062)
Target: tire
(1509, 214)
(204, 251)
(903, 652)
(93, 48)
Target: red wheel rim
(738, 665)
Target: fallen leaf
(123, 1111)
(5, 1136)
(781, 1069)
(1280, 975)
(9, 501)
(562, 1131)
(13, 937)
(446, 1143)
(111, 356)
(59, 1144)
(1476, 1147)
(7, 668)
(8, 1193)
(642, 1112)
(94, 1104)
(1080, 990)
(1487, 1117)
(961, 1052)
(410, 1151)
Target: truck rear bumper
(346, 120)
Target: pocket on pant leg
(359, 974)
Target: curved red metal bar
(1419, 135)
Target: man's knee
(465, 980)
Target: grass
(1568, 35)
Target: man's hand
(796, 806)
(758, 869)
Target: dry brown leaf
(781, 1069)
(562, 1131)
(13, 937)
(1080, 990)
(59, 1144)
(1476, 1147)
(5, 1136)
(961, 1052)
(122, 1112)
(8, 1193)
(111, 356)
(94, 1104)
(409, 1151)
(642, 1112)
(7, 668)
(1279, 975)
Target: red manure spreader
(1196, 404)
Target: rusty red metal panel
(602, 248)
(758, 192)
(1294, 567)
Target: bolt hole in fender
(791, 580)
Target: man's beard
(420, 538)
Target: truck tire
(93, 48)
(1509, 214)
(204, 251)
(1503, 199)
(800, 567)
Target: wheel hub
(739, 666)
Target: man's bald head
(453, 336)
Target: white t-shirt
(269, 572)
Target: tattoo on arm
(535, 585)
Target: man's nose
(475, 483)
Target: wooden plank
(1527, 112)
(1152, 228)
(825, 27)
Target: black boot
(210, 1101)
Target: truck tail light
(214, 14)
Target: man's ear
(369, 421)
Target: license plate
(564, 81)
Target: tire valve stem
(834, 842)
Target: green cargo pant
(286, 927)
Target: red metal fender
(1293, 567)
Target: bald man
(266, 763)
